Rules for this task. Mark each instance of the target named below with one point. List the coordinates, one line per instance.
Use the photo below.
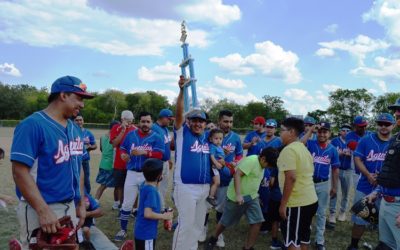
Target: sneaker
(330, 225)
(203, 235)
(277, 245)
(319, 247)
(220, 241)
(120, 236)
(212, 201)
(264, 232)
(14, 244)
(367, 246)
(127, 245)
(342, 216)
(332, 218)
(115, 206)
(210, 244)
(134, 213)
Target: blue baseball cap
(165, 113)
(325, 125)
(395, 106)
(385, 117)
(309, 120)
(198, 114)
(70, 84)
(271, 123)
(345, 127)
(360, 121)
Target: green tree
(275, 109)
(383, 101)
(319, 115)
(149, 101)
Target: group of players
(282, 182)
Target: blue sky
(243, 50)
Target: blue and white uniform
(252, 150)
(88, 140)
(218, 154)
(275, 142)
(192, 176)
(325, 160)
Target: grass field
(234, 237)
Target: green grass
(234, 237)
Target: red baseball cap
(259, 119)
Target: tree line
(19, 101)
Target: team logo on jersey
(229, 147)
(326, 160)
(200, 148)
(145, 147)
(376, 156)
(265, 182)
(167, 139)
(65, 151)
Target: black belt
(63, 201)
(319, 180)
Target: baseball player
(308, 123)
(46, 156)
(161, 127)
(368, 157)
(137, 146)
(192, 175)
(90, 144)
(270, 140)
(254, 137)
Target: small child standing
(149, 211)
(217, 156)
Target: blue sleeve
(150, 200)
(309, 144)
(26, 142)
(92, 140)
(126, 144)
(248, 138)
(213, 150)
(360, 150)
(335, 162)
(93, 203)
(274, 172)
(159, 144)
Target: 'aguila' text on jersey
(324, 158)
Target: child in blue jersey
(93, 210)
(149, 211)
(217, 156)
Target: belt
(63, 201)
(319, 180)
(391, 199)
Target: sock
(354, 242)
(274, 239)
(124, 217)
(218, 215)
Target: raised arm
(179, 119)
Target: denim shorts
(233, 212)
(106, 178)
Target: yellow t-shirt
(296, 156)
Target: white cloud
(381, 84)
(270, 59)
(170, 94)
(385, 68)
(166, 72)
(331, 87)
(300, 101)
(56, 23)
(298, 94)
(332, 28)
(387, 14)
(324, 52)
(216, 94)
(229, 83)
(9, 69)
(213, 11)
(358, 47)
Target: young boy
(243, 197)
(93, 210)
(149, 211)
(217, 156)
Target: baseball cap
(70, 84)
(360, 121)
(309, 120)
(325, 125)
(127, 114)
(385, 117)
(271, 123)
(259, 119)
(345, 126)
(198, 114)
(395, 106)
(165, 113)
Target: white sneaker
(203, 235)
(332, 218)
(220, 241)
(115, 206)
(342, 216)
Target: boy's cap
(325, 125)
(271, 123)
(395, 106)
(127, 114)
(309, 120)
(360, 121)
(70, 84)
(385, 117)
(198, 114)
(259, 120)
(345, 126)
(165, 113)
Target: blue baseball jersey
(253, 150)
(341, 147)
(192, 157)
(372, 152)
(264, 190)
(275, 142)
(152, 142)
(88, 139)
(276, 193)
(353, 136)
(164, 133)
(146, 229)
(324, 158)
(216, 151)
(233, 146)
(53, 154)
(313, 136)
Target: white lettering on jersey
(145, 147)
(375, 157)
(326, 160)
(229, 147)
(64, 152)
(200, 148)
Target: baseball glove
(64, 238)
(365, 210)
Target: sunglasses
(383, 124)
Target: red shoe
(14, 244)
(128, 245)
